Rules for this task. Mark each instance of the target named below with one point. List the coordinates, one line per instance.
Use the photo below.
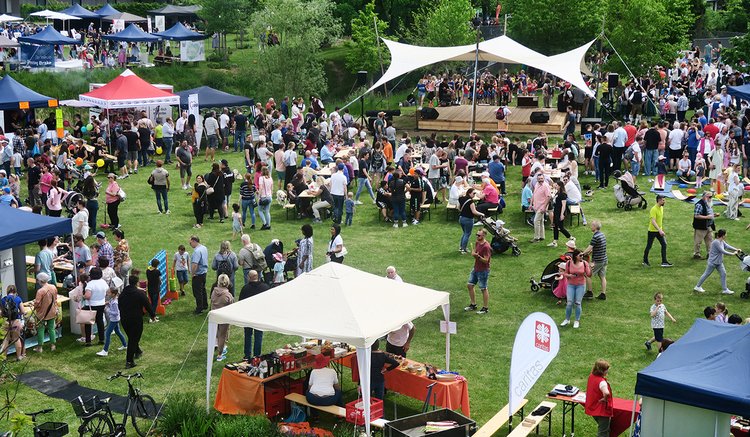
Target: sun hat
(278, 257)
(321, 361)
(571, 244)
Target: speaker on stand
(613, 80)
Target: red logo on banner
(542, 336)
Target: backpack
(500, 114)
(224, 267)
(629, 153)
(260, 258)
(9, 308)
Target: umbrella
(62, 17)
(45, 13)
(5, 18)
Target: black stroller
(745, 264)
(627, 194)
(501, 238)
(547, 280)
(70, 202)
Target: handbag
(264, 201)
(210, 190)
(85, 317)
(121, 194)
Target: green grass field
(426, 255)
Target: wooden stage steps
(458, 119)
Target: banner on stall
(537, 343)
(59, 128)
(159, 20)
(192, 51)
(194, 109)
(34, 56)
(118, 25)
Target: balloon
(100, 163)
(66, 123)
(83, 129)
(683, 185)
(79, 161)
(159, 151)
(747, 187)
(746, 201)
(691, 190)
(89, 126)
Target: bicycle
(97, 420)
(46, 429)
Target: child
(278, 268)
(658, 310)
(721, 312)
(180, 267)
(236, 221)
(112, 309)
(349, 206)
(16, 160)
(710, 313)
(700, 170)
(153, 277)
(661, 165)
(13, 312)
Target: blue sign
(38, 56)
(161, 256)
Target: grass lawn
(426, 255)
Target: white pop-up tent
(567, 66)
(334, 302)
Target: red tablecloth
(448, 394)
(621, 419)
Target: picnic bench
(498, 420)
(532, 422)
(335, 410)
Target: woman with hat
(323, 384)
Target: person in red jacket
(599, 397)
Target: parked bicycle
(46, 429)
(97, 419)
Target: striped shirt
(247, 191)
(599, 245)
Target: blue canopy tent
(79, 11)
(106, 10)
(48, 36)
(179, 32)
(212, 98)
(12, 95)
(132, 33)
(703, 378)
(741, 92)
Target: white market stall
(333, 302)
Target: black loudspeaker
(613, 80)
(389, 113)
(539, 117)
(429, 114)
(561, 106)
(362, 78)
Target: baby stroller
(549, 273)
(627, 194)
(70, 202)
(745, 264)
(501, 238)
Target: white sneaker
(552, 244)
(404, 225)
(727, 291)
(221, 358)
(395, 225)
(576, 324)
(159, 213)
(699, 289)
(357, 202)
(571, 238)
(102, 353)
(122, 348)
(415, 222)
(168, 212)
(565, 322)
(81, 339)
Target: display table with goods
(740, 427)
(259, 386)
(621, 420)
(31, 322)
(418, 381)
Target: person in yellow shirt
(656, 231)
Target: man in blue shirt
(497, 172)
(199, 268)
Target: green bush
(177, 413)
(52, 5)
(244, 426)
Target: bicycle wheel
(99, 425)
(143, 414)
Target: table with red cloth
(447, 394)
(621, 419)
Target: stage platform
(458, 119)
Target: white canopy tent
(337, 303)
(406, 58)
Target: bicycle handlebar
(45, 411)
(122, 375)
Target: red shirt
(631, 131)
(485, 251)
(594, 406)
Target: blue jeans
(596, 167)
(378, 389)
(649, 161)
(324, 401)
(92, 205)
(399, 210)
(250, 335)
(709, 269)
(575, 295)
(349, 217)
(361, 183)
(239, 138)
(635, 167)
(161, 193)
(264, 211)
(113, 327)
(247, 203)
(466, 226)
(168, 144)
(338, 207)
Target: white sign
(193, 108)
(449, 327)
(254, 132)
(537, 343)
(192, 51)
(148, 21)
(160, 26)
(118, 25)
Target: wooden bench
(335, 410)
(574, 210)
(498, 420)
(424, 209)
(290, 207)
(492, 212)
(450, 208)
(532, 422)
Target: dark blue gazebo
(106, 10)
(179, 32)
(79, 11)
(48, 36)
(741, 92)
(212, 98)
(12, 94)
(132, 33)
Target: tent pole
(474, 88)
(364, 356)
(380, 56)
(447, 315)
(632, 416)
(212, 328)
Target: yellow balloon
(100, 163)
(159, 151)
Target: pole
(505, 24)
(380, 56)
(474, 88)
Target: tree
(224, 17)
(740, 51)
(446, 24)
(363, 49)
(293, 66)
(554, 26)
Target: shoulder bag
(210, 190)
(86, 317)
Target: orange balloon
(691, 190)
(79, 161)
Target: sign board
(35, 56)
(449, 327)
(118, 25)
(160, 26)
(193, 108)
(148, 20)
(255, 133)
(59, 129)
(192, 51)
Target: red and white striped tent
(126, 91)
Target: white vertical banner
(159, 21)
(118, 25)
(193, 108)
(537, 343)
(148, 22)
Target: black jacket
(252, 289)
(132, 303)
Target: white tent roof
(406, 58)
(335, 302)
(5, 18)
